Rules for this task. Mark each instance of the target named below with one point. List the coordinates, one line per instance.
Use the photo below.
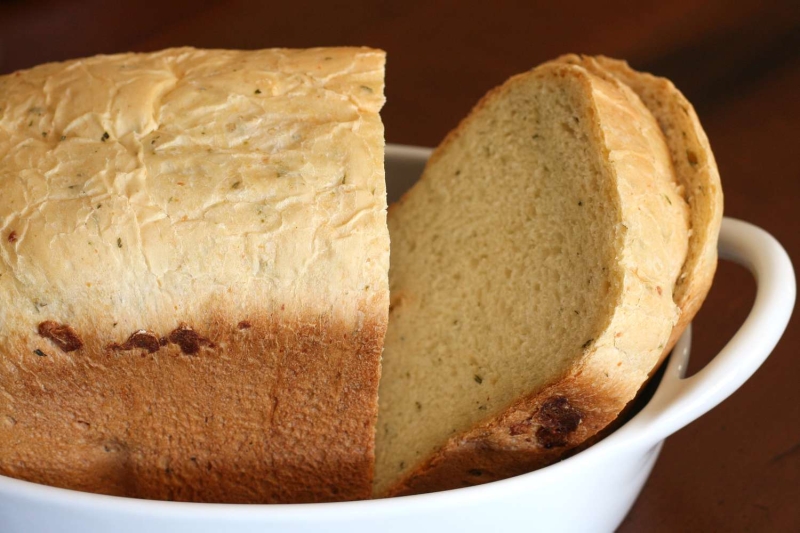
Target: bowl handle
(678, 400)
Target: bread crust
(193, 274)
(263, 409)
(546, 425)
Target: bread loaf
(193, 274)
(536, 279)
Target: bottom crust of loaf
(219, 409)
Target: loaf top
(141, 186)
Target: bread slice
(193, 274)
(695, 169)
(532, 277)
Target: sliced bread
(532, 278)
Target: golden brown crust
(547, 425)
(277, 412)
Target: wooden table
(737, 468)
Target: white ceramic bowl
(591, 491)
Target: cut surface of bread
(532, 276)
(193, 273)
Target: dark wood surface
(737, 468)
